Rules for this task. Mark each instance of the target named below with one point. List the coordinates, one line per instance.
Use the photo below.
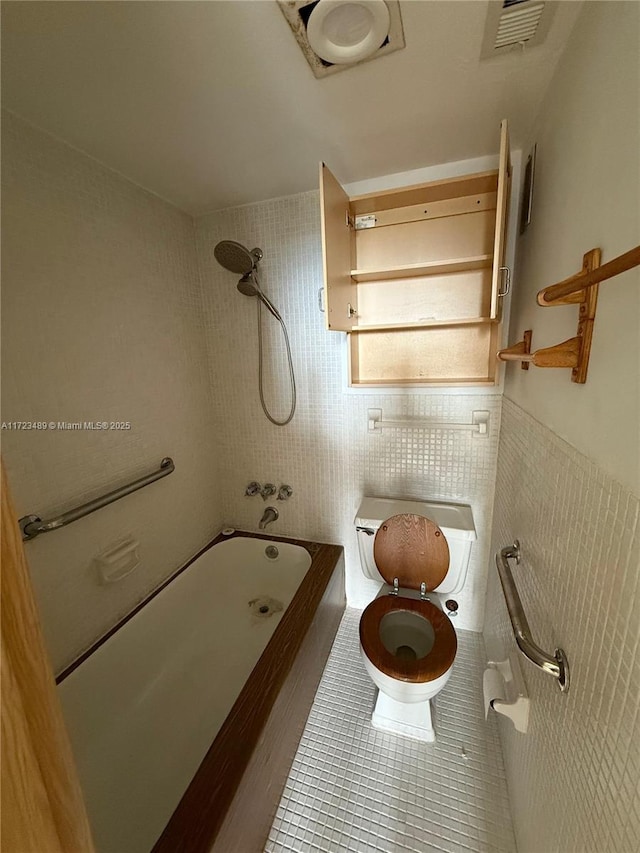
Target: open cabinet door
(42, 806)
(337, 242)
(501, 279)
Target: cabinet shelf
(424, 324)
(418, 286)
(478, 262)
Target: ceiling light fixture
(348, 31)
(335, 35)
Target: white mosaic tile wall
(105, 274)
(101, 321)
(573, 778)
(354, 789)
(326, 453)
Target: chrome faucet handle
(284, 493)
(253, 489)
(267, 490)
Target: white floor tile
(353, 789)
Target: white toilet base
(410, 719)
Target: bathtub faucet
(268, 517)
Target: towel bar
(479, 423)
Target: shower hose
(260, 371)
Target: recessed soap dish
(118, 560)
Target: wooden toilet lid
(413, 549)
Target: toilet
(419, 551)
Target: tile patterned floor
(353, 789)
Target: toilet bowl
(407, 641)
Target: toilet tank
(455, 521)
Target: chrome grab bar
(32, 525)
(556, 665)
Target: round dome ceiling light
(347, 31)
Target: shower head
(236, 258)
(249, 286)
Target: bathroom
(136, 138)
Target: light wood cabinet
(415, 277)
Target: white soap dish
(118, 560)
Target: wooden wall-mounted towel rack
(574, 285)
(565, 354)
(580, 289)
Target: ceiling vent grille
(518, 25)
(515, 24)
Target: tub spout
(268, 517)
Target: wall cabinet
(415, 276)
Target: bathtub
(174, 716)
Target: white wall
(101, 321)
(573, 778)
(587, 195)
(325, 454)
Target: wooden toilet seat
(432, 665)
(414, 550)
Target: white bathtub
(144, 707)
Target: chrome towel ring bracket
(555, 665)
